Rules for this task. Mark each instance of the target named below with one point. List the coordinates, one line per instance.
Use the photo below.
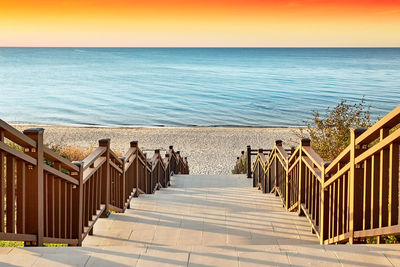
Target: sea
(185, 87)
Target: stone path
(204, 221)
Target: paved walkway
(204, 221)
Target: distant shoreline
(25, 124)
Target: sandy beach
(209, 150)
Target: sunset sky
(210, 23)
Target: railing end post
(305, 142)
(134, 144)
(105, 142)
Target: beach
(209, 150)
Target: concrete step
(256, 255)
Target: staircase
(203, 220)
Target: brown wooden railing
(352, 198)
(45, 198)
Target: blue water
(185, 87)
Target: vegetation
(330, 132)
(241, 165)
(72, 153)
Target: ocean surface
(191, 86)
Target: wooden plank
(337, 175)
(70, 211)
(91, 171)
(60, 175)
(85, 205)
(64, 209)
(46, 204)
(339, 206)
(115, 157)
(330, 215)
(375, 191)
(393, 185)
(334, 215)
(344, 204)
(367, 195)
(98, 188)
(392, 138)
(373, 132)
(17, 237)
(57, 207)
(15, 135)
(21, 196)
(89, 160)
(341, 157)
(317, 199)
(17, 154)
(383, 181)
(315, 158)
(52, 156)
(94, 191)
(60, 241)
(51, 207)
(10, 201)
(2, 182)
(384, 231)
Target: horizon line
(199, 46)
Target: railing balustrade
(352, 198)
(45, 198)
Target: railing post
(324, 207)
(136, 182)
(180, 161)
(303, 142)
(249, 161)
(124, 193)
(105, 183)
(34, 181)
(171, 150)
(158, 169)
(278, 143)
(146, 180)
(356, 185)
(77, 204)
(167, 171)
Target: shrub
(330, 132)
(72, 153)
(241, 165)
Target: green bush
(330, 132)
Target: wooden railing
(352, 198)
(45, 198)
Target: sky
(200, 23)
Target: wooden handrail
(49, 199)
(352, 198)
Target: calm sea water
(184, 87)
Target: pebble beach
(209, 150)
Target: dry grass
(75, 153)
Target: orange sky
(288, 23)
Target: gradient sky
(295, 23)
